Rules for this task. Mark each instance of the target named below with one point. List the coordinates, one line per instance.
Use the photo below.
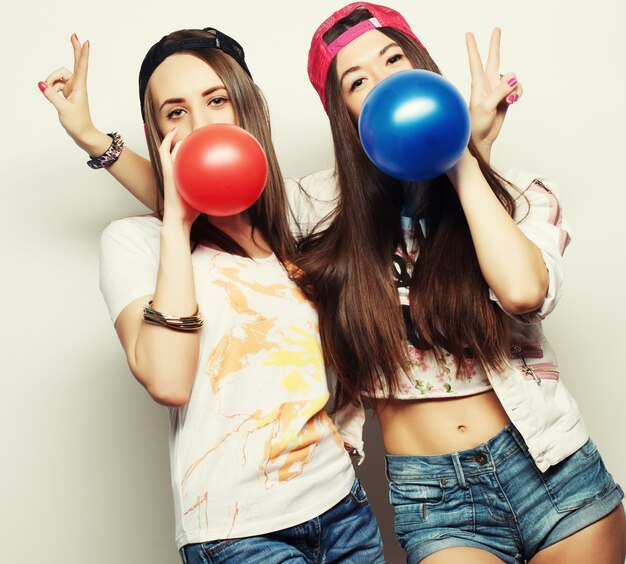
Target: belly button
(461, 428)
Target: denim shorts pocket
(358, 494)
(577, 480)
(413, 499)
(213, 550)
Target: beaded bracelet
(190, 323)
(110, 155)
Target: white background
(84, 474)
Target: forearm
(512, 265)
(483, 147)
(131, 170)
(135, 173)
(165, 360)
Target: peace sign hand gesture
(491, 93)
(67, 92)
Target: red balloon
(220, 169)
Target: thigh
(603, 541)
(462, 554)
(253, 550)
(349, 531)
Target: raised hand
(67, 92)
(491, 94)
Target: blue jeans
(347, 532)
(494, 497)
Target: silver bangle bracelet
(189, 323)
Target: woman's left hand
(174, 206)
(491, 95)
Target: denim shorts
(347, 532)
(495, 498)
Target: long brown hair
(269, 213)
(348, 269)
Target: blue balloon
(414, 125)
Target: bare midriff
(439, 426)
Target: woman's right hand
(492, 93)
(174, 207)
(67, 92)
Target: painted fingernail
(511, 99)
(87, 43)
(42, 85)
(74, 36)
(512, 81)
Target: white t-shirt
(253, 450)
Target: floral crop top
(431, 376)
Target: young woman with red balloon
(214, 327)
(430, 296)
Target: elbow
(168, 383)
(171, 401)
(168, 389)
(169, 395)
(526, 295)
(524, 300)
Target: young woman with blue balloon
(430, 296)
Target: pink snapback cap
(321, 55)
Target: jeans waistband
(477, 460)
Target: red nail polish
(42, 86)
(510, 99)
(75, 36)
(512, 82)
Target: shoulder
(137, 228)
(529, 183)
(538, 211)
(534, 193)
(129, 260)
(131, 239)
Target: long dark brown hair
(348, 269)
(269, 212)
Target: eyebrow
(207, 92)
(357, 68)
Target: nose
(380, 74)
(202, 115)
(201, 120)
(377, 76)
